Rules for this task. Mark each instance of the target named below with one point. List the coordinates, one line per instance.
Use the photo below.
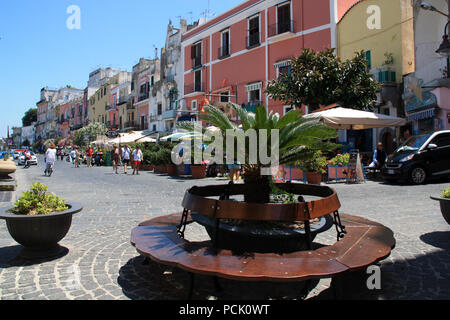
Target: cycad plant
(299, 139)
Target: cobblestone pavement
(100, 256)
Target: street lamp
(428, 6)
(444, 48)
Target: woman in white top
(50, 157)
(126, 154)
(137, 159)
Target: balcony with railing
(131, 124)
(153, 118)
(143, 96)
(123, 100)
(252, 40)
(251, 106)
(143, 125)
(169, 114)
(197, 62)
(285, 26)
(224, 52)
(194, 87)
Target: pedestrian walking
(77, 157)
(50, 158)
(126, 154)
(137, 159)
(115, 158)
(73, 155)
(89, 154)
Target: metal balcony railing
(281, 27)
(253, 40)
(197, 87)
(197, 62)
(143, 96)
(224, 52)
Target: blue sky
(37, 49)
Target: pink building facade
(233, 56)
(64, 120)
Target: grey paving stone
(110, 268)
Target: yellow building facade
(98, 104)
(385, 30)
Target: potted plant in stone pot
(338, 167)
(165, 155)
(147, 163)
(38, 221)
(314, 167)
(159, 164)
(444, 201)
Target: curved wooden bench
(364, 244)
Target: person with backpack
(137, 159)
(126, 154)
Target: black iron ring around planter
(198, 199)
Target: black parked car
(420, 158)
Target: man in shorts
(137, 159)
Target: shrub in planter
(338, 166)
(38, 221)
(314, 167)
(444, 202)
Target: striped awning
(426, 114)
(282, 64)
(253, 86)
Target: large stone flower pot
(445, 207)
(314, 177)
(7, 167)
(39, 235)
(171, 170)
(198, 171)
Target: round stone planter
(39, 235)
(7, 167)
(445, 207)
(254, 238)
(160, 169)
(314, 177)
(198, 172)
(147, 167)
(171, 170)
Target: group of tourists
(127, 157)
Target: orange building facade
(235, 55)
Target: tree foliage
(91, 132)
(323, 79)
(29, 117)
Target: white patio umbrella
(351, 119)
(131, 137)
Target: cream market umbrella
(350, 119)
(131, 137)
